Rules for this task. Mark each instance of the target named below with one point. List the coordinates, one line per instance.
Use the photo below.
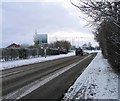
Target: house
(14, 45)
(84, 46)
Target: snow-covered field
(98, 81)
(11, 64)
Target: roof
(14, 45)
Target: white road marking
(19, 93)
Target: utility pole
(35, 31)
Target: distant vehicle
(79, 51)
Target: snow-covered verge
(92, 51)
(98, 81)
(11, 64)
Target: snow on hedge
(98, 81)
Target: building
(84, 46)
(40, 39)
(14, 45)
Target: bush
(53, 52)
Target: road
(48, 80)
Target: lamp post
(45, 51)
(59, 50)
(37, 52)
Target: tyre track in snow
(15, 78)
(31, 73)
(56, 87)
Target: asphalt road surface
(21, 77)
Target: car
(79, 51)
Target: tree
(66, 45)
(101, 10)
(106, 18)
(63, 44)
(24, 45)
(90, 46)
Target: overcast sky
(57, 18)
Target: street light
(45, 51)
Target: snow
(92, 51)
(98, 81)
(11, 64)
(21, 92)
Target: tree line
(33, 51)
(105, 16)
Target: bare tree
(63, 44)
(106, 19)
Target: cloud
(20, 19)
